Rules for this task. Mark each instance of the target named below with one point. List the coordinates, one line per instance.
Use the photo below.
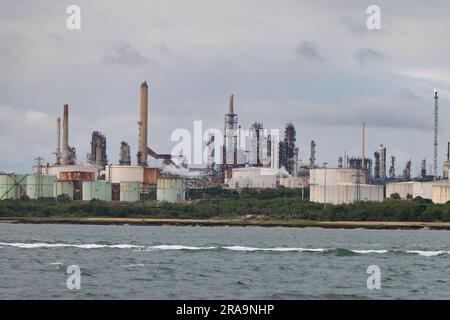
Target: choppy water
(137, 262)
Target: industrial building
(288, 153)
(267, 162)
(98, 156)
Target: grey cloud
(354, 25)
(53, 35)
(309, 50)
(366, 56)
(381, 112)
(122, 53)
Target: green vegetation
(277, 203)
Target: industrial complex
(268, 161)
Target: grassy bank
(274, 204)
(238, 222)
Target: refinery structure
(240, 158)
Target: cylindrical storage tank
(63, 188)
(441, 193)
(130, 191)
(21, 181)
(118, 174)
(97, 189)
(8, 187)
(40, 186)
(170, 189)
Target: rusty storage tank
(76, 175)
(115, 191)
(151, 175)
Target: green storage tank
(40, 186)
(97, 189)
(63, 187)
(130, 191)
(170, 189)
(8, 187)
(21, 180)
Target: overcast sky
(314, 63)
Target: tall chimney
(58, 141)
(230, 106)
(65, 146)
(143, 131)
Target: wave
(370, 251)
(132, 265)
(179, 247)
(65, 245)
(425, 253)
(279, 249)
(164, 247)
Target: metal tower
(435, 156)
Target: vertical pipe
(230, 106)
(144, 124)
(448, 149)
(65, 151)
(363, 163)
(58, 141)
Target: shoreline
(288, 223)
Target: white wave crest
(178, 247)
(64, 245)
(428, 253)
(280, 249)
(369, 251)
(133, 265)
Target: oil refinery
(252, 158)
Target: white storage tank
(336, 175)
(404, 189)
(118, 174)
(253, 177)
(441, 193)
(170, 189)
(345, 193)
(423, 189)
